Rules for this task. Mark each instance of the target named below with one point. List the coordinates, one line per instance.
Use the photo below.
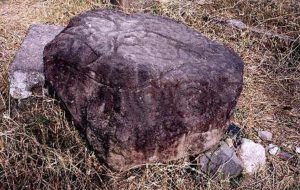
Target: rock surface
(27, 69)
(143, 88)
(223, 160)
(253, 156)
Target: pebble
(265, 135)
(297, 150)
(284, 155)
(274, 150)
(236, 23)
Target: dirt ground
(41, 149)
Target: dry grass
(40, 149)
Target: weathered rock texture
(224, 160)
(27, 69)
(142, 87)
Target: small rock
(297, 150)
(233, 130)
(236, 23)
(265, 135)
(229, 142)
(270, 146)
(223, 160)
(274, 150)
(284, 155)
(252, 155)
(27, 69)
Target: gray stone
(26, 71)
(223, 160)
(143, 88)
(265, 135)
(253, 156)
(284, 155)
(236, 23)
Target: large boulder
(143, 88)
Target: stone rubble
(265, 135)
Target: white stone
(297, 150)
(253, 156)
(265, 135)
(274, 150)
(270, 146)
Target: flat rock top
(30, 55)
(27, 69)
(150, 46)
